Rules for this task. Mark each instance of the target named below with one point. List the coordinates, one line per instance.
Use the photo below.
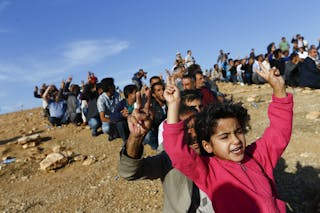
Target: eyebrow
(228, 133)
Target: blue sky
(44, 41)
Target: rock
(25, 146)
(89, 161)
(79, 158)
(28, 145)
(313, 115)
(53, 161)
(57, 149)
(254, 98)
(68, 153)
(24, 178)
(26, 139)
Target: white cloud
(50, 69)
(90, 51)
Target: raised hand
(172, 96)
(171, 93)
(275, 80)
(140, 120)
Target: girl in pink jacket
(236, 177)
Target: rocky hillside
(84, 176)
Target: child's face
(228, 142)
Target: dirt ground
(98, 188)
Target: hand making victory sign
(172, 96)
(140, 120)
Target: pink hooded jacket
(248, 186)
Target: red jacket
(248, 186)
(207, 96)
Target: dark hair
(294, 54)
(107, 84)
(190, 95)
(185, 111)
(193, 68)
(75, 89)
(198, 72)
(191, 77)
(277, 53)
(207, 120)
(154, 77)
(156, 84)
(129, 89)
(99, 86)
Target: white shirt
(303, 54)
(266, 64)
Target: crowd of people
(297, 61)
(202, 159)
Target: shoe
(94, 133)
(111, 138)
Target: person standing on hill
(284, 44)
(137, 78)
(189, 59)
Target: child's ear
(207, 146)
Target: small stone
(57, 149)
(89, 161)
(53, 161)
(79, 158)
(30, 138)
(254, 98)
(68, 153)
(28, 145)
(313, 115)
(25, 146)
(24, 178)
(32, 144)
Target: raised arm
(172, 96)
(276, 137)
(182, 156)
(131, 164)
